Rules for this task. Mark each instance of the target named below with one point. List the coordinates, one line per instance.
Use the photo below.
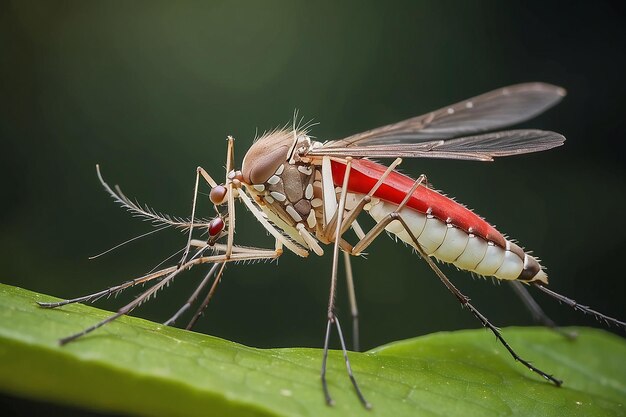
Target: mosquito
(307, 194)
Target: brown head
(280, 180)
(269, 152)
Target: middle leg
(354, 309)
(537, 312)
(332, 319)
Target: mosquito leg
(340, 210)
(309, 239)
(136, 302)
(380, 226)
(329, 195)
(354, 310)
(230, 156)
(271, 229)
(330, 207)
(365, 403)
(116, 289)
(124, 310)
(583, 308)
(242, 253)
(206, 301)
(351, 218)
(193, 216)
(358, 230)
(110, 290)
(236, 251)
(329, 399)
(194, 296)
(465, 301)
(537, 312)
(535, 309)
(331, 300)
(249, 254)
(205, 175)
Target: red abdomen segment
(364, 175)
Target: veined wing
(494, 110)
(436, 134)
(474, 148)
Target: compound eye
(216, 226)
(218, 194)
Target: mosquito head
(269, 152)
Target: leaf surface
(137, 367)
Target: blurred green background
(150, 90)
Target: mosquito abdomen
(467, 251)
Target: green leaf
(138, 367)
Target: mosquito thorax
(280, 179)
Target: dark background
(150, 91)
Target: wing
(431, 135)
(474, 148)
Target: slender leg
(230, 156)
(170, 273)
(340, 210)
(206, 301)
(328, 191)
(358, 230)
(354, 310)
(330, 206)
(350, 220)
(365, 403)
(124, 310)
(271, 229)
(199, 172)
(537, 312)
(335, 224)
(194, 296)
(193, 216)
(332, 318)
(579, 307)
(329, 399)
(230, 196)
(379, 227)
(464, 300)
(111, 290)
(309, 239)
(329, 195)
(242, 253)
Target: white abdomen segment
(451, 244)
